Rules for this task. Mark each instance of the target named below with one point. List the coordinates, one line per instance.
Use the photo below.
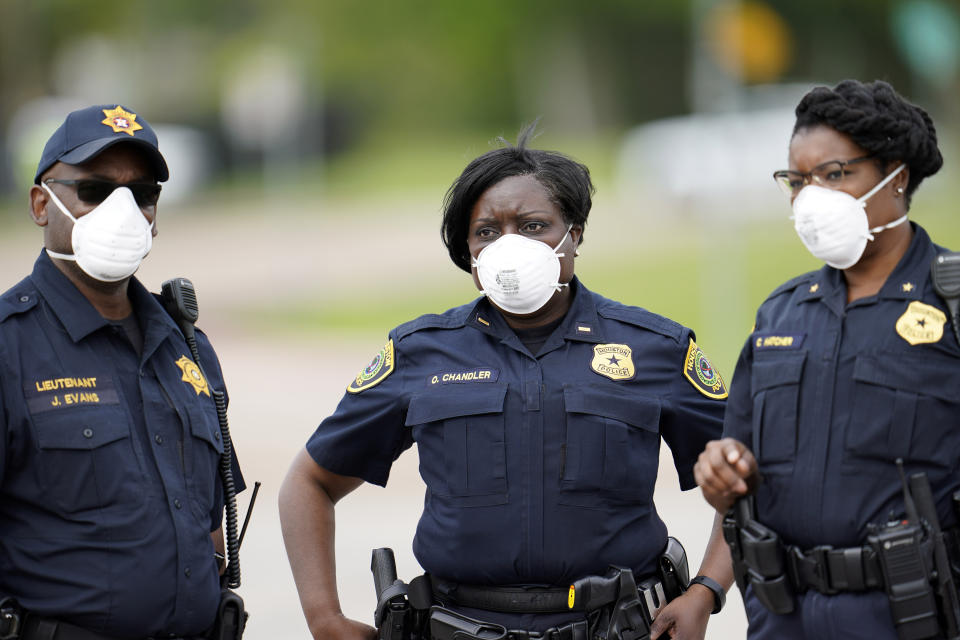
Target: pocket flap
(86, 432)
(441, 405)
(785, 368)
(635, 410)
(206, 426)
(924, 376)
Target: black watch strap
(719, 595)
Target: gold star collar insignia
(908, 287)
(814, 287)
(121, 121)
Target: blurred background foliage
(360, 114)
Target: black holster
(231, 617)
(758, 558)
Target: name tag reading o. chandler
(465, 376)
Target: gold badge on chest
(192, 375)
(921, 323)
(614, 361)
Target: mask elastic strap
(559, 285)
(889, 225)
(57, 202)
(64, 211)
(881, 184)
(562, 240)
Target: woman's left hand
(686, 617)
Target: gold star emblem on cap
(121, 120)
(814, 287)
(908, 287)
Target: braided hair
(878, 120)
(566, 181)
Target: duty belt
(502, 599)
(38, 628)
(831, 571)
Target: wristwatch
(719, 595)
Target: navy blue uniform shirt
(539, 470)
(108, 464)
(828, 395)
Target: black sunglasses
(93, 191)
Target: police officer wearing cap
(110, 501)
(537, 411)
(849, 369)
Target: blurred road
(281, 386)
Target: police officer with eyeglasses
(110, 499)
(843, 421)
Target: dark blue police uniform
(828, 395)
(539, 469)
(108, 464)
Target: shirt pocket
(775, 389)
(460, 437)
(905, 407)
(611, 447)
(88, 463)
(203, 458)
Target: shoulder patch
(374, 373)
(701, 374)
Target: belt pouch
(449, 625)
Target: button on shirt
(108, 464)
(539, 470)
(829, 394)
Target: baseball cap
(87, 132)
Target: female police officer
(849, 368)
(537, 411)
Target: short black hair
(567, 182)
(878, 120)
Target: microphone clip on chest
(945, 276)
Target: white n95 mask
(518, 274)
(111, 241)
(833, 224)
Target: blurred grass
(703, 271)
(708, 275)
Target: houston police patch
(379, 368)
(614, 361)
(921, 323)
(701, 374)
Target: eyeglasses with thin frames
(95, 191)
(829, 174)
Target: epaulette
(450, 319)
(19, 298)
(640, 317)
(792, 284)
